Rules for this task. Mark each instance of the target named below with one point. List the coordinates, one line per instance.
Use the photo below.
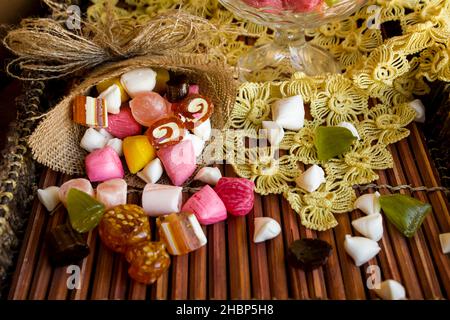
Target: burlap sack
(56, 141)
(46, 49)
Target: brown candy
(89, 111)
(149, 260)
(166, 132)
(194, 110)
(124, 226)
(66, 246)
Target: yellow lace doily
(382, 74)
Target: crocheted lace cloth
(382, 74)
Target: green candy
(405, 213)
(332, 141)
(85, 212)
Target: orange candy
(148, 261)
(124, 226)
(166, 132)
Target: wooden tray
(231, 266)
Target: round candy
(166, 132)
(148, 107)
(194, 110)
(149, 260)
(237, 195)
(124, 226)
(123, 125)
(309, 253)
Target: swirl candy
(166, 132)
(194, 110)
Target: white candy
(275, 132)
(92, 140)
(368, 203)
(351, 127)
(159, 199)
(391, 290)
(203, 131)
(289, 113)
(370, 226)
(208, 175)
(419, 108)
(49, 197)
(311, 179)
(138, 81)
(116, 144)
(265, 229)
(152, 172)
(197, 142)
(112, 98)
(361, 249)
(106, 134)
(444, 238)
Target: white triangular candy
(209, 175)
(370, 226)
(361, 249)
(203, 131)
(289, 113)
(368, 203)
(265, 229)
(49, 197)
(311, 179)
(351, 127)
(419, 108)
(391, 290)
(116, 144)
(152, 172)
(138, 81)
(92, 140)
(112, 98)
(275, 132)
(444, 238)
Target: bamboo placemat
(231, 266)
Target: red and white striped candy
(237, 195)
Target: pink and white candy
(206, 205)
(237, 195)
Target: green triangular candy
(85, 212)
(332, 141)
(404, 212)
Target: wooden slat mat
(231, 266)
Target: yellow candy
(102, 86)
(162, 76)
(138, 152)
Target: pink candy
(301, 5)
(236, 194)
(103, 164)
(194, 89)
(80, 184)
(148, 107)
(206, 205)
(112, 192)
(123, 125)
(178, 161)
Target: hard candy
(289, 113)
(112, 99)
(66, 246)
(194, 110)
(152, 172)
(79, 183)
(237, 195)
(124, 226)
(116, 144)
(149, 107)
(178, 161)
(308, 253)
(181, 233)
(112, 193)
(49, 197)
(84, 211)
(159, 199)
(208, 175)
(123, 125)
(206, 205)
(89, 111)
(166, 132)
(92, 140)
(103, 164)
(148, 261)
(162, 77)
(177, 88)
(102, 86)
(138, 152)
(138, 81)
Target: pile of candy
(292, 5)
(178, 127)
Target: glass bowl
(289, 52)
